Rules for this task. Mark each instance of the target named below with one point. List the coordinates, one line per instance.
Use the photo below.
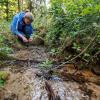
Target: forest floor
(26, 81)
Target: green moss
(4, 75)
(2, 82)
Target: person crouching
(21, 27)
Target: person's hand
(22, 37)
(25, 39)
(30, 39)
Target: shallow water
(65, 90)
(23, 84)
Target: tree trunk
(30, 6)
(19, 5)
(7, 10)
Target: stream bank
(24, 83)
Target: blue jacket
(19, 27)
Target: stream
(25, 84)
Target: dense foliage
(4, 37)
(73, 25)
(8, 8)
(69, 27)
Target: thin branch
(79, 53)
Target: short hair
(29, 15)
(27, 10)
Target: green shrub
(75, 19)
(46, 64)
(3, 46)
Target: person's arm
(15, 29)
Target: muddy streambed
(24, 83)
